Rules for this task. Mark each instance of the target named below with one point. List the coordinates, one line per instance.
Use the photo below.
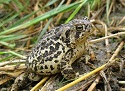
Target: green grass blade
(1, 53)
(9, 19)
(50, 3)
(14, 37)
(7, 44)
(76, 10)
(22, 20)
(18, 4)
(6, 58)
(48, 23)
(42, 17)
(16, 54)
(5, 1)
(44, 29)
(94, 4)
(29, 15)
(6, 16)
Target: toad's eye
(79, 27)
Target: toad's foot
(20, 82)
(68, 72)
(23, 79)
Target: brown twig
(12, 67)
(36, 87)
(113, 35)
(11, 62)
(91, 88)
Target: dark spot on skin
(37, 48)
(49, 58)
(41, 48)
(32, 54)
(51, 42)
(56, 37)
(82, 35)
(43, 42)
(46, 67)
(63, 48)
(77, 35)
(48, 39)
(56, 61)
(62, 38)
(67, 44)
(57, 46)
(69, 54)
(67, 60)
(58, 67)
(34, 64)
(41, 72)
(86, 27)
(67, 41)
(63, 64)
(52, 49)
(39, 57)
(41, 61)
(69, 66)
(35, 51)
(35, 68)
(65, 71)
(59, 52)
(45, 54)
(51, 67)
(41, 67)
(55, 55)
(67, 33)
(46, 60)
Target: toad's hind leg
(20, 82)
(23, 79)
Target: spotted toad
(58, 49)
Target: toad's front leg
(66, 68)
